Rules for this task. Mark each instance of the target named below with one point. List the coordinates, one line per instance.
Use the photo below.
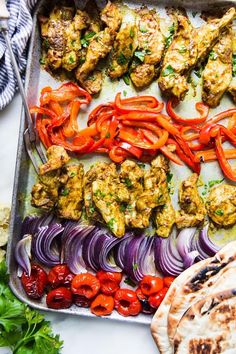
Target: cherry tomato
(102, 305)
(168, 281)
(35, 283)
(146, 308)
(81, 301)
(156, 299)
(60, 275)
(109, 281)
(151, 284)
(127, 302)
(60, 298)
(85, 284)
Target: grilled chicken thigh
(70, 201)
(193, 210)
(123, 50)
(57, 158)
(53, 31)
(164, 214)
(217, 74)
(232, 85)
(151, 44)
(221, 205)
(111, 16)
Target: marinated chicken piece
(232, 88)
(57, 158)
(217, 74)
(93, 83)
(111, 16)
(72, 48)
(232, 85)
(188, 48)
(53, 34)
(70, 201)
(155, 192)
(123, 50)
(151, 44)
(107, 195)
(164, 214)
(193, 210)
(221, 205)
(131, 176)
(99, 47)
(45, 192)
(178, 58)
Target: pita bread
(216, 274)
(160, 319)
(212, 321)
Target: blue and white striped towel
(20, 26)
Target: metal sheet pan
(24, 172)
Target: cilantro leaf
(168, 71)
(234, 65)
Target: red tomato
(81, 301)
(156, 299)
(60, 275)
(60, 298)
(102, 305)
(168, 281)
(109, 281)
(35, 283)
(146, 308)
(127, 302)
(151, 284)
(85, 284)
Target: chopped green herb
(131, 46)
(182, 49)
(198, 72)
(129, 207)
(170, 37)
(143, 29)
(46, 44)
(122, 208)
(84, 43)
(91, 208)
(214, 182)
(73, 174)
(234, 65)
(194, 13)
(126, 79)
(204, 192)
(91, 78)
(141, 165)
(98, 193)
(130, 282)
(131, 33)
(42, 61)
(135, 266)
(124, 93)
(168, 71)
(140, 55)
(73, 42)
(65, 191)
(89, 35)
(121, 60)
(81, 61)
(111, 223)
(71, 60)
(213, 55)
(169, 177)
(219, 212)
(108, 135)
(108, 204)
(128, 182)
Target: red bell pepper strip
(164, 123)
(138, 116)
(89, 131)
(200, 107)
(190, 137)
(136, 141)
(56, 108)
(225, 114)
(228, 171)
(112, 132)
(80, 144)
(133, 150)
(44, 111)
(137, 104)
(210, 155)
(97, 144)
(117, 154)
(97, 111)
(41, 126)
(70, 128)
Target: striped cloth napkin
(20, 26)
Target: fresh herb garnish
(194, 13)
(214, 182)
(42, 61)
(141, 165)
(126, 79)
(73, 42)
(22, 329)
(111, 223)
(73, 174)
(46, 44)
(99, 193)
(121, 60)
(89, 35)
(140, 55)
(130, 282)
(65, 191)
(122, 208)
(108, 135)
(234, 65)
(143, 29)
(213, 55)
(170, 37)
(128, 182)
(131, 46)
(91, 78)
(169, 177)
(198, 72)
(91, 208)
(135, 266)
(219, 212)
(71, 60)
(168, 71)
(131, 33)
(124, 93)
(182, 49)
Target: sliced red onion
(167, 260)
(45, 246)
(120, 249)
(184, 244)
(23, 254)
(72, 243)
(31, 224)
(206, 244)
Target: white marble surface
(80, 335)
